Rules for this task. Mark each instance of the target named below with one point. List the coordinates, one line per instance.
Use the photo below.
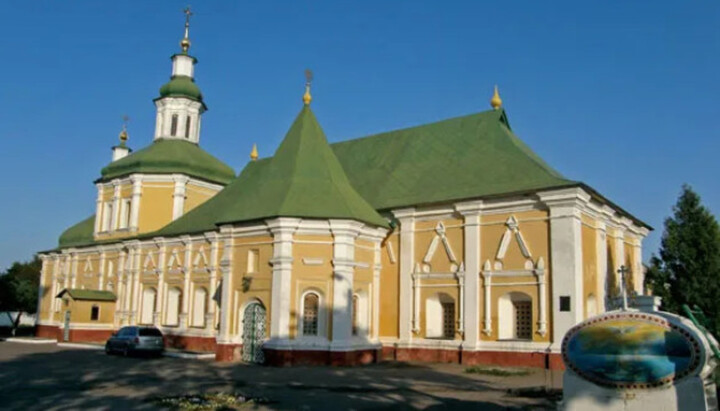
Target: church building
(450, 241)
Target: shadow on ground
(47, 377)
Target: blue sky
(621, 95)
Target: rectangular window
(565, 303)
(173, 125)
(107, 216)
(448, 310)
(94, 313)
(523, 320)
(252, 261)
(125, 213)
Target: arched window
(173, 125)
(187, 127)
(440, 317)
(174, 302)
(310, 314)
(149, 301)
(515, 316)
(199, 307)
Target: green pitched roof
(91, 295)
(464, 157)
(80, 233)
(167, 156)
(303, 179)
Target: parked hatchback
(136, 340)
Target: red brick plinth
(48, 331)
(285, 358)
(228, 352)
(191, 343)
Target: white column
(377, 266)
(73, 271)
(214, 251)
(120, 304)
(115, 220)
(601, 265)
(407, 260)
(638, 273)
(187, 292)
(344, 233)
(542, 297)
(160, 296)
(487, 284)
(179, 196)
(135, 202)
(282, 230)
(134, 289)
(226, 266)
(471, 290)
(101, 271)
(416, 299)
(566, 258)
(98, 208)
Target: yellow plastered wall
(251, 286)
(80, 311)
(156, 206)
(363, 277)
(590, 275)
(196, 195)
(534, 227)
(424, 235)
(389, 287)
(307, 277)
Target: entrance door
(66, 329)
(253, 333)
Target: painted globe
(631, 350)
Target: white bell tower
(180, 104)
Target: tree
(19, 289)
(688, 268)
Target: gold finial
(254, 153)
(185, 42)
(123, 134)
(496, 101)
(307, 98)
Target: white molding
(312, 261)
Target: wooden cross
(622, 271)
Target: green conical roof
(303, 179)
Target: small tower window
(174, 125)
(187, 127)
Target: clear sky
(621, 95)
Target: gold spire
(254, 153)
(123, 136)
(307, 98)
(496, 101)
(185, 42)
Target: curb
(77, 345)
(30, 341)
(191, 356)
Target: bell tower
(180, 104)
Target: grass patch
(497, 372)
(209, 401)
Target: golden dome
(496, 101)
(254, 153)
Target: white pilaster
(161, 287)
(344, 233)
(226, 266)
(282, 230)
(135, 202)
(187, 292)
(471, 289)
(98, 208)
(210, 318)
(566, 257)
(377, 266)
(407, 259)
(601, 265)
(638, 272)
(73, 271)
(101, 271)
(179, 195)
(115, 221)
(487, 284)
(120, 304)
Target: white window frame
(125, 213)
(107, 216)
(322, 317)
(198, 319)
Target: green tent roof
(92, 295)
(167, 156)
(303, 179)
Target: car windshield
(150, 332)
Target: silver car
(136, 340)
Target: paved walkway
(49, 377)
